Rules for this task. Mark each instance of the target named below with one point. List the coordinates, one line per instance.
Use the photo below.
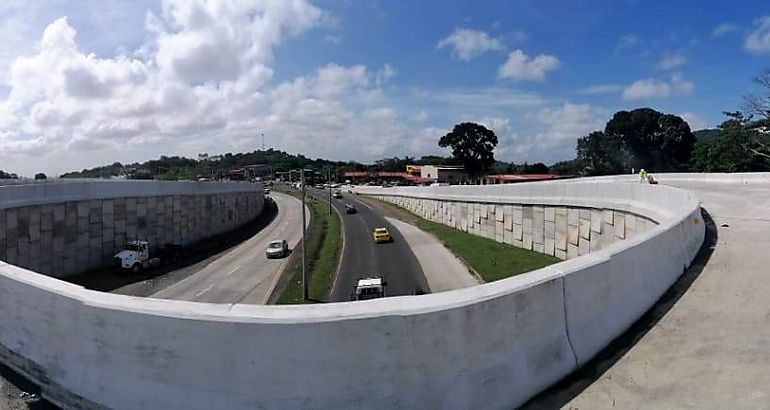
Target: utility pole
(263, 142)
(304, 271)
(329, 181)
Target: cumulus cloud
(602, 89)
(649, 88)
(724, 29)
(670, 61)
(694, 121)
(519, 66)
(758, 41)
(203, 81)
(627, 41)
(567, 123)
(467, 44)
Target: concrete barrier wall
(488, 346)
(62, 229)
(565, 232)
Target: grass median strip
(324, 245)
(492, 260)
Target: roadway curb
(342, 254)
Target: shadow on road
(106, 280)
(571, 386)
(28, 392)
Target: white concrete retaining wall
(64, 228)
(488, 346)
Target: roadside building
(413, 170)
(449, 174)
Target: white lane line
(366, 205)
(233, 271)
(197, 295)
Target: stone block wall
(67, 238)
(562, 231)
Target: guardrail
(489, 346)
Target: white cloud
(670, 61)
(521, 67)
(467, 44)
(421, 115)
(627, 41)
(602, 89)
(649, 88)
(500, 125)
(333, 38)
(383, 75)
(694, 121)
(758, 41)
(567, 123)
(724, 29)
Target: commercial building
(449, 174)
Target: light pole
(329, 181)
(304, 272)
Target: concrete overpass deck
(711, 347)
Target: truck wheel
(136, 268)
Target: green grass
(492, 260)
(324, 244)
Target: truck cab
(369, 288)
(135, 257)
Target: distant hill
(706, 134)
(174, 168)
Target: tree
(737, 147)
(758, 104)
(472, 146)
(40, 175)
(601, 154)
(655, 141)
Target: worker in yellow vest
(642, 176)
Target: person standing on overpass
(642, 176)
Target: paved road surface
(243, 275)
(443, 270)
(361, 257)
(712, 348)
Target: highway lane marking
(233, 271)
(197, 295)
(366, 205)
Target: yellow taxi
(381, 235)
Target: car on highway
(350, 209)
(337, 194)
(381, 235)
(278, 248)
(267, 191)
(369, 288)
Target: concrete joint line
(566, 319)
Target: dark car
(350, 209)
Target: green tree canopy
(641, 138)
(737, 147)
(655, 141)
(472, 146)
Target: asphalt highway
(361, 257)
(244, 274)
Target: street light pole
(329, 181)
(304, 272)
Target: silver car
(278, 248)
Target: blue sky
(83, 83)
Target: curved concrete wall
(488, 346)
(68, 227)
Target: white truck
(369, 288)
(136, 256)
